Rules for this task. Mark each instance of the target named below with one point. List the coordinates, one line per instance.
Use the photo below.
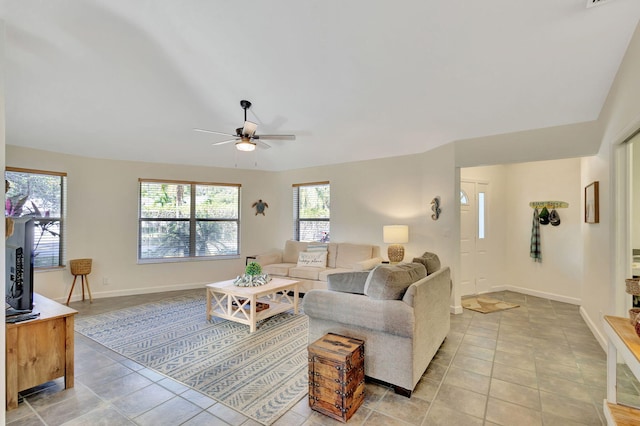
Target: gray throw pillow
(431, 261)
(390, 282)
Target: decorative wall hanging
(545, 216)
(591, 203)
(548, 204)
(260, 206)
(435, 206)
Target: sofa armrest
(269, 258)
(347, 282)
(366, 265)
(389, 316)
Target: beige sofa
(340, 257)
(400, 312)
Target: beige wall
(102, 213)
(603, 256)
(559, 275)
(512, 187)
(102, 222)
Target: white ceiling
(354, 80)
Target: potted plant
(252, 277)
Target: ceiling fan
(245, 137)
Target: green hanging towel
(535, 252)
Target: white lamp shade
(245, 145)
(395, 234)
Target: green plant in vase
(253, 269)
(252, 277)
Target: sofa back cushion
(431, 261)
(291, 251)
(332, 254)
(348, 254)
(392, 281)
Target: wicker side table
(81, 268)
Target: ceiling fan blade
(261, 144)
(249, 128)
(277, 137)
(214, 132)
(224, 142)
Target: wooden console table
(39, 350)
(623, 341)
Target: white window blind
(41, 195)
(312, 211)
(188, 220)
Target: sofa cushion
(323, 276)
(317, 247)
(367, 265)
(332, 254)
(292, 249)
(347, 282)
(392, 281)
(431, 261)
(316, 259)
(305, 272)
(279, 269)
(349, 254)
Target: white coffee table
(228, 301)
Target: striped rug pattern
(259, 374)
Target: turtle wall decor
(260, 206)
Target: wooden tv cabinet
(39, 350)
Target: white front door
(473, 237)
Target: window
(311, 210)
(188, 220)
(40, 195)
(464, 200)
(481, 215)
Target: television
(19, 265)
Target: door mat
(486, 305)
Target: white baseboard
(134, 291)
(594, 330)
(530, 292)
(455, 309)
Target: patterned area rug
(260, 374)
(486, 304)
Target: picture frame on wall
(591, 203)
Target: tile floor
(534, 365)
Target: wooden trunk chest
(336, 376)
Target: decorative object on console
(260, 206)
(252, 277)
(633, 286)
(395, 236)
(435, 206)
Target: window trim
(296, 208)
(192, 220)
(62, 247)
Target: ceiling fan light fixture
(245, 145)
